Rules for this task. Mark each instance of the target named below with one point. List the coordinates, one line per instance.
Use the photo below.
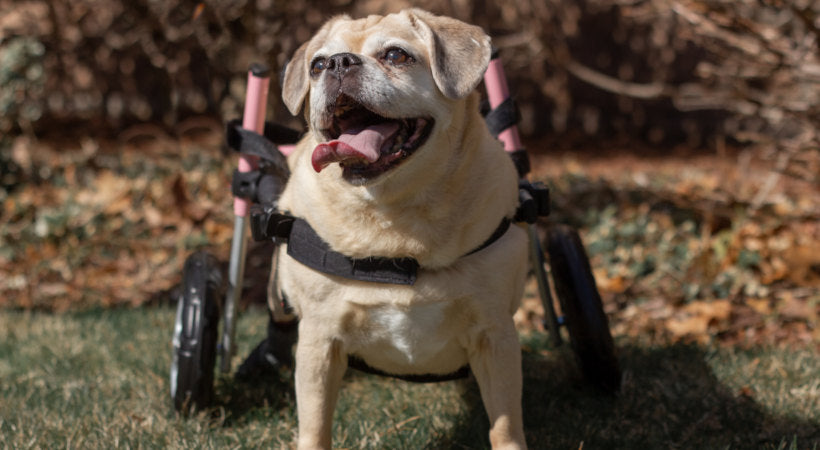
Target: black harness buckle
(269, 224)
(533, 201)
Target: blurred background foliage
(698, 72)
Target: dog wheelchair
(209, 293)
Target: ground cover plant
(681, 245)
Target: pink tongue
(355, 144)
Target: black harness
(307, 247)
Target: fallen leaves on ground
(681, 250)
(109, 223)
(682, 245)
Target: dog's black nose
(341, 63)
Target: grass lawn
(99, 379)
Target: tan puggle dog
(398, 163)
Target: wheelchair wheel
(580, 302)
(195, 332)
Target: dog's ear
(459, 52)
(296, 82)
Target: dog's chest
(409, 330)
(414, 336)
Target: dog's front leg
(320, 365)
(496, 364)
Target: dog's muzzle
(367, 144)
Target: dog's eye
(318, 66)
(397, 57)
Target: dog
(398, 165)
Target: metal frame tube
(537, 261)
(253, 119)
(495, 81)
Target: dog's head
(376, 90)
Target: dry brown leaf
(791, 308)
(760, 305)
(696, 318)
(616, 284)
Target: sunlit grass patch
(99, 379)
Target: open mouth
(366, 144)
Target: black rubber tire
(581, 305)
(195, 333)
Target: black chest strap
(305, 246)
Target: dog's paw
(272, 354)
